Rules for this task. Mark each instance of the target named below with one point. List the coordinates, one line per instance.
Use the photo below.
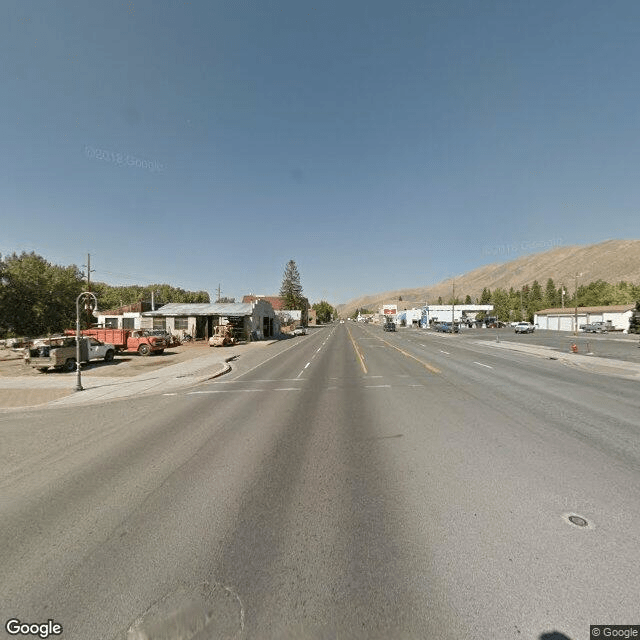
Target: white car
(524, 327)
(299, 331)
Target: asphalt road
(346, 484)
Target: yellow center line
(426, 365)
(355, 346)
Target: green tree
(550, 295)
(485, 298)
(500, 299)
(37, 297)
(324, 311)
(291, 289)
(468, 300)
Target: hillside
(611, 261)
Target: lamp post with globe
(87, 295)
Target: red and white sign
(390, 309)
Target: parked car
(389, 326)
(299, 331)
(445, 327)
(597, 327)
(524, 327)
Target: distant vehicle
(60, 352)
(341, 321)
(299, 331)
(524, 327)
(597, 327)
(491, 322)
(445, 327)
(389, 326)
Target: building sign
(389, 309)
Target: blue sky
(380, 145)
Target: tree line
(522, 304)
(39, 298)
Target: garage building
(564, 319)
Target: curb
(594, 364)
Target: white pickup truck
(59, 352)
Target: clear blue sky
(378, 144)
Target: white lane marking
(416, 385)
(441, 351)
(268, 359)
(372, 377)
(263, 380)
(306, 365)
(287, 389)
(377, 386)
(318, 350)
(169, 394)
(192, 393)
(482, 365)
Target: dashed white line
(191, 393)
(377, 386)
(482, 365)
(441, 351)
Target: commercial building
(565, 319)
(249, 320)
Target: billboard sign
(389, 309)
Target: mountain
(611, 261)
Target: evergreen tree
(634, 321)
(550, 295)
(485, 298)
(291, 289)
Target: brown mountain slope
(611, 261)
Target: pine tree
(550, 295)
(291, 289)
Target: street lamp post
(87, 295)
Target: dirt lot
(126, 364)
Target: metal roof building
(250, 320)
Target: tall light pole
(87, 295)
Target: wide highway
(350, 483)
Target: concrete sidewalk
(98, 388)
(587, 362)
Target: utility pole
(219, 293)
(575, 295)
(453, 306)
(89, 271)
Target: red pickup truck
(127, 340)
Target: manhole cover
(578, 521)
